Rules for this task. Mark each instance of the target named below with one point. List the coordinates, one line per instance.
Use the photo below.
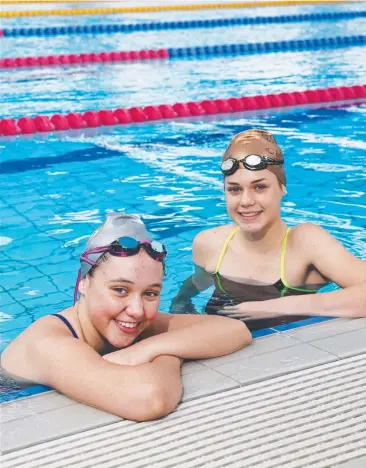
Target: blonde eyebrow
(258, 180)
(253, 181)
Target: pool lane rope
(183, 52)
(189, 24)
(156, 9)
(91, 119)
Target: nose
(135, 307)
(247, 198)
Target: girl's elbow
(153, 404)
(165, 399)
(243, 334)
(156, 404)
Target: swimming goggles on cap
(252, 162)
(126, 247)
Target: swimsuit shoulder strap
(283, 277)
(283, 256)
(67, 323)
(224, 248)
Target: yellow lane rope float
(103, 11)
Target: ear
(284, 190)
(83, 285)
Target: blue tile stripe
(189, 24)
(301, 323)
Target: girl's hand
(247, 311)
(138, 353)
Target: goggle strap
(76, 290)
(104, 248)
(86, 260)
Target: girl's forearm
(210, 337)
(192, 286)
(183, 298)
(345, 303)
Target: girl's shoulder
(307, 233)
(44, 327)
(19, 356)
(213, 236)
(309, 240)
(208, 242)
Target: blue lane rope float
(189, 24)
(267, 47)
(184, 52)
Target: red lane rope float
(74, 120)
(74, 59)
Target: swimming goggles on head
(126, 247)
(252, 162)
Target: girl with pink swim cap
(265, 273)
(112, 349)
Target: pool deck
(290, 399)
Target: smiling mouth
(129, 326)
(251, 215)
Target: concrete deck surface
(33, 427)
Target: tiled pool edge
(200, 379)
(39, 389)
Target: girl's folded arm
(195, 336)
(139, 393)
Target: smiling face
(253, 199)
(122, 296)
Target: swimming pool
(55, 189)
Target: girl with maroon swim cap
(264, 272)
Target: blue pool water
(54, 190)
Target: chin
(249, 225)
(121, 342)
(251, 229)
(118, 339)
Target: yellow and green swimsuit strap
(221, 257)
(224, 248)
(283, 256)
